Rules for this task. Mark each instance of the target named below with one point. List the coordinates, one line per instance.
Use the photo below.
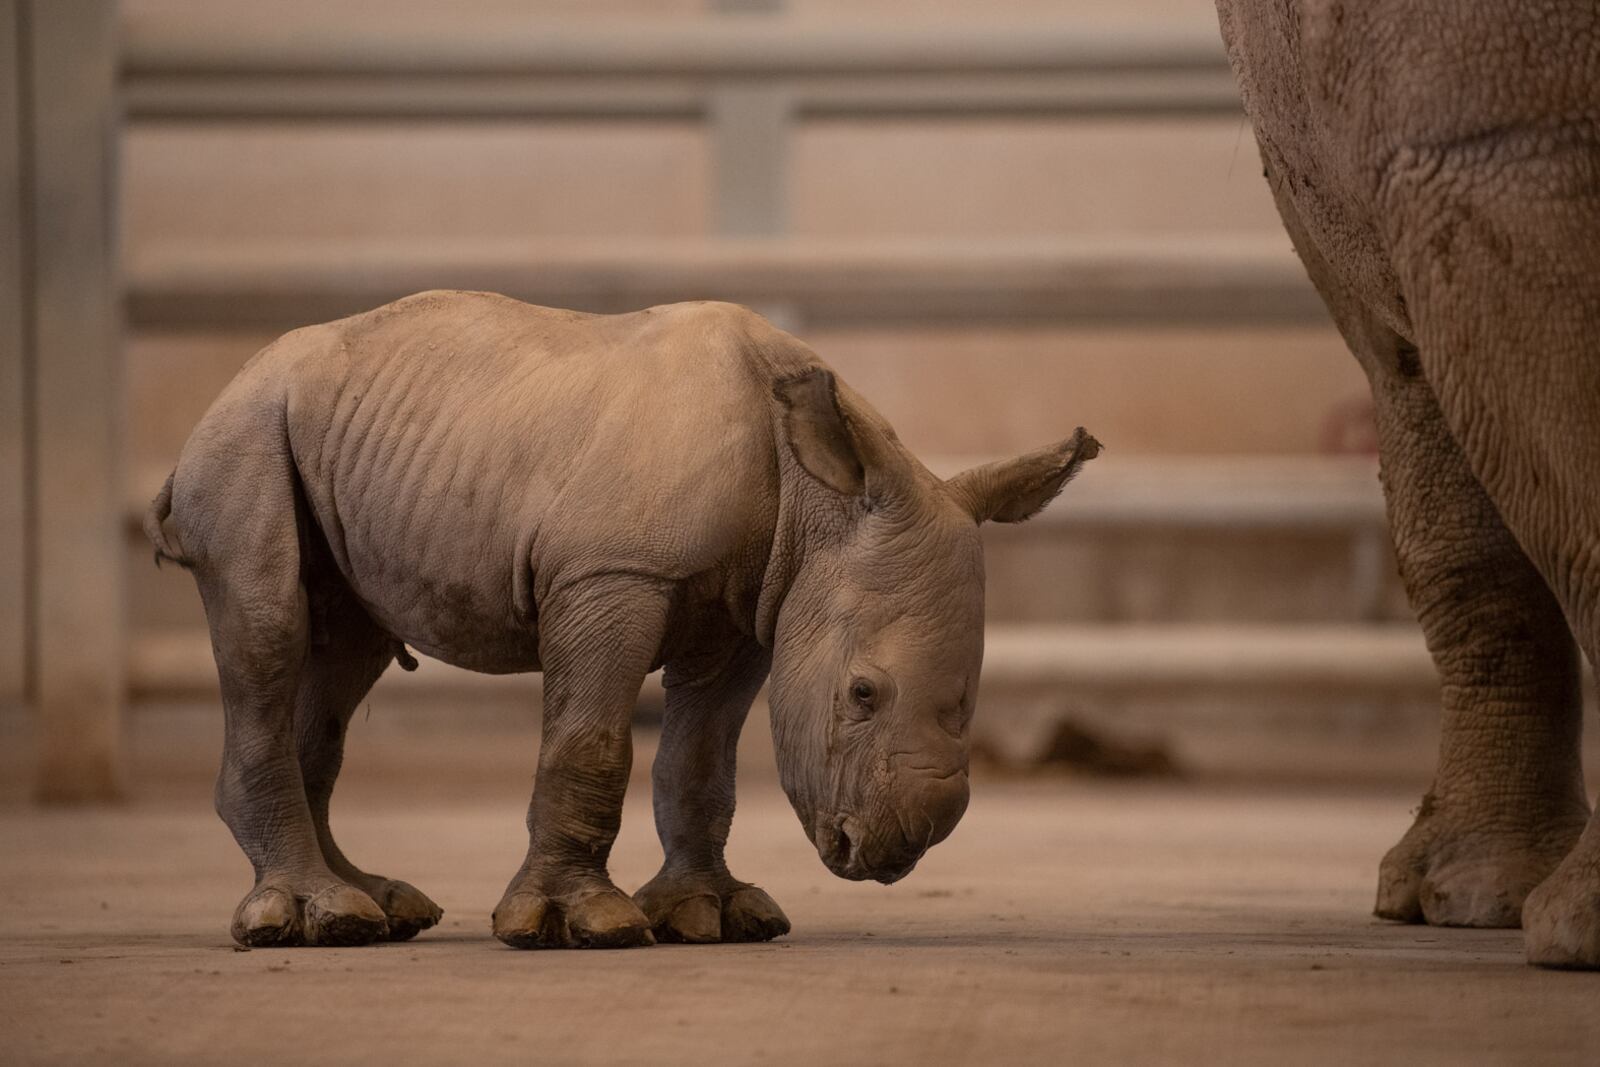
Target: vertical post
(71, 59)
(749, 145)
(750, 128)
(14, 383)
(750, 170)
(747, 7)
(750, 136)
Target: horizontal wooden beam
(245, 97)
(344, 65)
(882, 283)
(344, 41)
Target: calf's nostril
(844, 849)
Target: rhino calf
(513, 488)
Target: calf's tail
(155, 530)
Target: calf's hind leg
(348, 653)
(695, 898)
(256, 608)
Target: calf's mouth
(840, 844)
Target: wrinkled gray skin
(512, 488)
(1437, 164)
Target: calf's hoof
(343, 915)
(591, 918)
(684, 911)
(268, 916)
(1447, 872)
(748, 914)
(407, 909)
(1561, 919)
(273, 915)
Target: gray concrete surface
(1062, 923)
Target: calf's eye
(863, 692)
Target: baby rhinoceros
(514, 488)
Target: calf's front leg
(695, 898)
(597, 641)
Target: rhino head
(879, 640)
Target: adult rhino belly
(1312, 157)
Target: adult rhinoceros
(1437, 164)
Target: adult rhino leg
(1499, 250)
(1507, 798)
(246, 558)
(346, 656)
(695, 898)
(597, 641)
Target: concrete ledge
(1234, 492)
(1350, 658)
(1247, 491)
(1191, 656)
(180, 664)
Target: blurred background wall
(997, 219)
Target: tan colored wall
(967, 178)
(951, 390)
(253, 182)
(1144, 390)
(1029, 178)
(1161, 391)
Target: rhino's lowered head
(879, 639)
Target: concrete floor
(1061, 923)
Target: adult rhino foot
(592, 917)
(700, 910)
(1449, 870)
(275, 914)
(1561, 919)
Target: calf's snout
(925, 813)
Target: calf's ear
(1016, 489)
(819, 431)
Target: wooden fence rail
(341, 64)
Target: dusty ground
(1061, 923)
